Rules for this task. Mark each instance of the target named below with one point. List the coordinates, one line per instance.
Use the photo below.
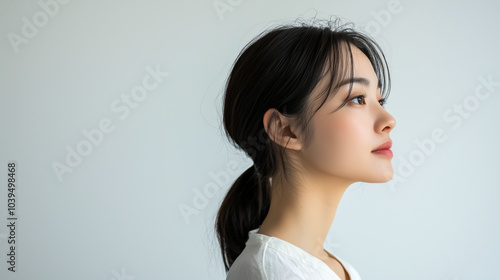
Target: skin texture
(302, 210)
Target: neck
(302, 214)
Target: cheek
(340, 144)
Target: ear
(281, 129)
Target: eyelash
(384, 101)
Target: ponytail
(242, 210)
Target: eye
(382, 102)
(362, 97)
(358, 98)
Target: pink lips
(384, 149)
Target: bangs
(339, 67)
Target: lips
(385, 146)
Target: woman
(305, 103)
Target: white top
(271, 258)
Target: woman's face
(343, 141)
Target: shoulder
(248, 265)
(265, 263)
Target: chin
(385, 176)
(379, 177)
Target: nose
(385, 121)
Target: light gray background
(118, 215)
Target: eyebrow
(359, 80)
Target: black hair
(279, 69)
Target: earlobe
(279, 128)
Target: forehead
(363, 68)
(364, 76)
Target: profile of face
(343, 141)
